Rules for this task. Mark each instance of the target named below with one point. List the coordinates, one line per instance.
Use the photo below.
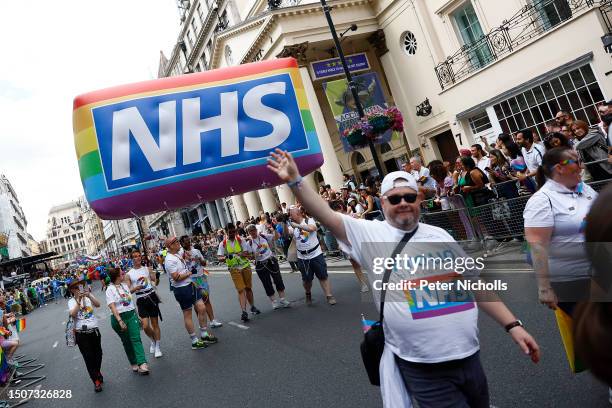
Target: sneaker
(158, 353)
(284, 302)
(331, 300)
(209, 339)
(97, 386)
(215, 323)
(309, 299)
(198, 344)
(364, 288)
(152, 348)
(244, 317)
(255, 310)
(276, 304)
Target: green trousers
(130, 337)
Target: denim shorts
(309, 268)
(187, 296)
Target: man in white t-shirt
(311, 261)
(184, 291)
(532, 152)
(420, 339)
(480, 157)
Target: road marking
(55, 344)
(238, 325)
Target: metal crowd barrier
(500, 220)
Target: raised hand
(282, 163)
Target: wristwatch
(512, 325)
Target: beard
(403, 222)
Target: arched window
(385, 148)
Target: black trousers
(90, 346)
(269, 271)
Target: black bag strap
(387, 275)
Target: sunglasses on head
(570, 161)
(397, 198)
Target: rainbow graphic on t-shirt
(86, 312)
(125, 299)
(425, 303)
(305, 235)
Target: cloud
(65, 49)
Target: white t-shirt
(420, 326)
(305, 240)
(533, 157)
(260, 246)
(483, 163)
(140, 277)
(175, 263)
(121, 297)
(85, 315)
(554, 205)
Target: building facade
(66, 232)
(13, 224)
(93, 229)
(459, 70)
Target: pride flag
(566, 323)
(20, 325)
(4, 368)
(366, 325)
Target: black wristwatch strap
(512, 325)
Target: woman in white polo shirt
(555, 220)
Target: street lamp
(349, 77)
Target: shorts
(6, 343)
(148, 305)
(201, 285)
(243, 278)
(187, 296)
(309, 268)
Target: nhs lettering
(203, 137)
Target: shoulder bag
(373, 343)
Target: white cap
(389, 182)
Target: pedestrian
(554, 227)
(310, 258)
(531, 152)
(124, 321)
(140, 280)
(232, 252)
(500, 175)
(556, 139)
(195, 263)
(185, 292)
(593, 151)
(87, 333)
(436, 357)
(479, 156)
(266, 265)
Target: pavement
(298, 357)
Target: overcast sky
(51, 52)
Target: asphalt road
(297, 357)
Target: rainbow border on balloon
(146, 198)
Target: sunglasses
(570, 161)
(397, 198)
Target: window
(552, 12)
(480, 123)
(409, 43)
(576, 92)
(190, 39)
(194, 26)
(472, 35)
(200, 14)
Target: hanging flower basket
(373, 126)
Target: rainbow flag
(366, 325)
(4, 332)
(20, 325)
(4, 368)
(566, 324)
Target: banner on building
(173, 142)
(343, 106)
(333, 66)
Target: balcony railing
(531, 21)
(606, 13)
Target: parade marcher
(554, 227)
(435, 357)
(125, 322)
(185, 292)
(87, 333)
(231, 252)
(140, 280)
(311, 261)
(266, 265)
(195, 263)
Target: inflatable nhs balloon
(172, 142)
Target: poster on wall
(343, 106)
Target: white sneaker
(276, 304)
(158, 352)
(215, 323)
(284, 302)
(364, 288)
(152, 348)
